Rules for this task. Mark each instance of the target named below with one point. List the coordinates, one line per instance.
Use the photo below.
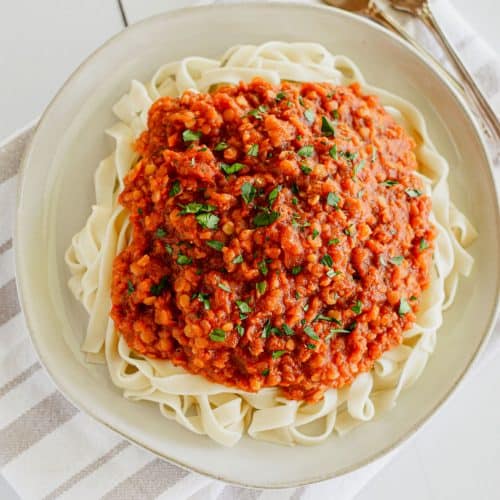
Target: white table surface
(457, 454)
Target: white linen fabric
(87, 460)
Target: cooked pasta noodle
(220, 412)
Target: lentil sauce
(280, 236)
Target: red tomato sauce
(280, 237)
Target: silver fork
(421, 9)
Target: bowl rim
(271, 4)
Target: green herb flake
(248, 192)
(160, 233)
(216, 245)
(253, 150)
(333, 241)
(175, 189)
(307, 170)
(243, 307)
(333, 152)
(327, 260)
(295, 201)
(389, 182)
(217, 335)
(331, 273)
(359, 167)
(261, 286)
(231, 169)
(335, 331)
(322, 317)
(413, 193)
(301, 100)
(238, 259)
(274, 194)
(397, 260)
(327, 127)
(221, 146)
(404, 307)
(306, 151)
(315, 234)
(196, 208)
(358, 307)
(266, 330)
(310, 116)
(336, 114)
(240, 330)
(308, 330)
(263, 267)
(204, 299)
(333, 199)
(280, 96)
(265, 372)
(265, 218)
(423, 245)
(168, 248)
(208, 221)
(287, 330)
(277, 354)
(157, 289)
(183, 260)
(296, 270)
(190, 135)
(257, 113)
(130, 287)
(312, 347)
(224, 287)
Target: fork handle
(472, 91)
(390, 23)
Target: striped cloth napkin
(49, 449)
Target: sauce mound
(280, 236)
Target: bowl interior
(57, 191)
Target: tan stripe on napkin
(11, 153)
(9, 306)
(25, 375)
(232, 492)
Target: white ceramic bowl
(56, 194)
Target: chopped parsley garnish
(423, 244)
(257, 113)
(182, 259)
(204, 299)
(315, 234)
(248, 192)
(224, 287)
(140, 211)
(216, 245)
(175, 189)
(265, 372)
(277, 354)
(413, 297)
(287, 330)
(359, 167)
(333, 152)
(208, 221)
(306, 151)
(280, 96)
(253, 150)
(261, 286)
(301, 100)
(310, 116)
(358, 307)
(333, 241)
(331, 273)
(307, 170)
(221, 146)
(389, 182)
(333, 199)
(327, 260)
(240, 330)
(404, 307)
(243, 307)
(295, 201)
(238, 259)
(311, 346)
(334, 331)
(160, 233)
(231, 169)
(265, 218)
(157, 289)
(336, 114)
(196, 208)
(296, 270)
(190, 135)
(308, 330)
(263, 267)
(217, 335)
(322, 317)
(168, 248)
(397, 260)
(327, 127)
(130, 287)
(413, 193)
(266, 330)
(348, 155)
(274, 194)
